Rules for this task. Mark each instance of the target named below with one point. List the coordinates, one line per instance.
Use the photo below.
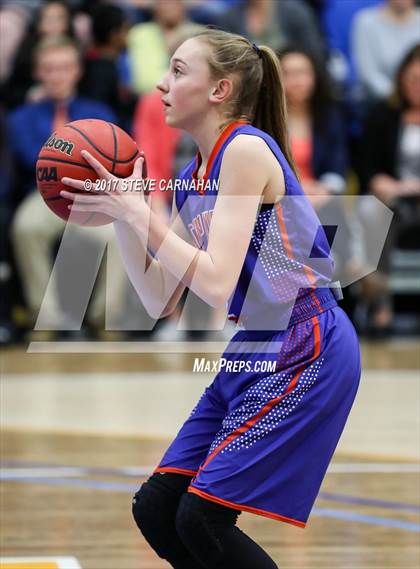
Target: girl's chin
(171, 121)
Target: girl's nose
(162, 85)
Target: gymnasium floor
(80, 432)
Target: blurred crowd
(351, 71)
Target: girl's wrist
(137, 217)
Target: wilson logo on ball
(61, 157)
(44, 174)
(59, 144)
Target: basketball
(61, 157)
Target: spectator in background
(337, 19)
(381, 37)
(391, 172)
(318, 143)
(52, 20)
(315, 125)
(210, 12)
(13, 22)
(7, 286)
(301, 28)
(257, 20)
(277, 24)
(101, 80)
(35, 228)
(148, 43)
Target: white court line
(137, 470)
(152, 347)
(52, 471)
(141, 471)
(366, 467)
(61, 562)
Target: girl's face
(410, 84)
(298, 78)
(54, 20)
(187, 86)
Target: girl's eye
(177, 71)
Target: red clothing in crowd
(157, 140)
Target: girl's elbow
(153, 309)
(218, 297)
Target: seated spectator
(391, 172)
(381, 36)
(101, 80)
(337, 19)
(52, 20)
(210, 12)
(300, 27)
(7, 288)
(35, 228)
(315, 128)
(149, 43)
(276, 24)
(257, 20)
(158, 142)
(13, 23)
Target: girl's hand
(123, 199)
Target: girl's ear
(221, 91)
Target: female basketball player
(255, 442)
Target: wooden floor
(80, 434)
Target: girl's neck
(206, 135)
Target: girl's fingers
(85, 208)
(96, 165)
(138, 168)
(68, 195)
(144, 165)
(78, 184)
(80, 198)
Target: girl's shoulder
(249, 139)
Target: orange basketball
(60, 157)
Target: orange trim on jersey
(176, 470)
(268, 406)
(283, 231)
(216, 148)
(288, 248)
(317, 338)
(244, 508)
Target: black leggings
(190, 532)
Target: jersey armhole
(288, 173)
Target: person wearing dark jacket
(52, 20)
(391, 172)
(318, 142)
(101, 79)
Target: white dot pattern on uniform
(258, 396)
(274, 260)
